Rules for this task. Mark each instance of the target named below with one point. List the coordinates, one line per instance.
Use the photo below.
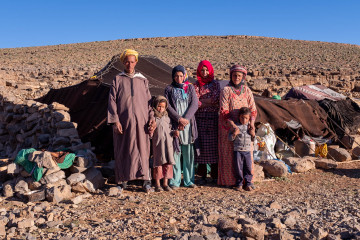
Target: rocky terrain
(273, 63)
(319, 201)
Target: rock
(205, 230)
(356, 153)
(256, 231)
(115, 192)
(26, 223)
(274, 168)
(75, 169)
(324, 163)
(58, 194)
(36, 196)
(172, 220)
(34, 116)
(77, 200)
(276, 223)
(8, 189)
(226, 225)
(61, 141)
(259, 174)
(75, 178)
(350, 142)
(78, 188)
(333, 237)
(58, 106)
(213, 218)
(14, 168)
(64, 124)
(43, 159)
(33, 185)
(83, 162)
(320, 233)
(339, 154)
(94, 180)
(299, 165)
(290, 221)
(2, 230)
(21, 187)
(70, 132)
(275, 205)
(284, 235)
(53, 177)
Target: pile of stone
(29, 124)
(56, 184)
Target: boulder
(61, 115)
(53, 177)
(69, 132)
(58, 106)
(94, 180)
(339, 154)
(115, 192)
(21, 187)
(75, 178)
(43, 159)
(78, 188)
(300, 165)
(14, 168)
(350, 142)
(324, 163)
(356, 153)
(59, 193)
(65, 125)
(259, 174)
(255, 231)
(274, 168)
(36, 196)
(226, 225)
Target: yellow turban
(129, 52)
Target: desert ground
(318, 204)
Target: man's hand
(117, 128)
(152, 126)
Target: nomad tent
(87, 103)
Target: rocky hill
(273, 63)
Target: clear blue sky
(37, 23)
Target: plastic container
(312, 146)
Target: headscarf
(182, 86)
(155, 105)
(129, 52)
(238, 68)
(202, 81)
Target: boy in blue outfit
(243, 163)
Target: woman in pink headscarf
(207, 116)
(233, 97)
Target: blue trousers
(187, 152)
(243, 168)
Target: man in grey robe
(132, 118)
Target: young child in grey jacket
(243, 163)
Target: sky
(25, 23)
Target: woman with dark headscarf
(233, 97)
(183, 104)
(207, 116)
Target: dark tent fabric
(343, 116)
(88, 101)
(313, 92)
(307, 112)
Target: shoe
(192, 186)
(148, 189)
(202, 181)
(167, 189)
(158, 189)
(173, 187)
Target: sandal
(167, 189)
(158, 189)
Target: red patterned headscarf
(203, 81)
(238, 68)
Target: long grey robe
(162, 143)
(129, 104)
